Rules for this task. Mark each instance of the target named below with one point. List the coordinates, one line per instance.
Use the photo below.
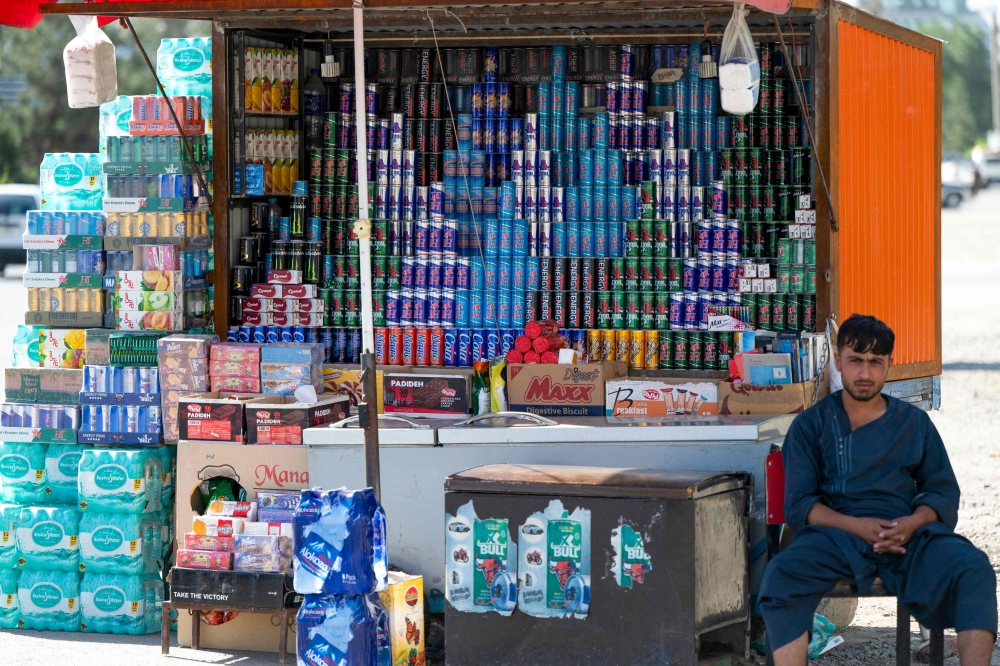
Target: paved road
(968, 421)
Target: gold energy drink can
(608, 345)
(164, 225)
(83, 300)
(57, 299)
(623, 345)
(44, 299)
(97, 300)
(637, 350)
(33, 297)
(593, 346)
(70, 300)
(181, 225)
(127, 224)
(652, 356)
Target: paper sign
(667, 75)
(726, 323)
(773, 6)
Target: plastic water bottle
(314, 101)
(116, 604)
(62, 464)
(10, 609)
(22, 472)
(120, 481)
(49, 600)
(115, 543)
(48, 537)
(9, 552)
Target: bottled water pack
(184, 66)
(49, 600)
(339, 543)
(62, 464)
(117, 604)
(120, 481)
(168, 458)
(343, 629)
(71, 181)
(10, 554)
(22, 472)
(10, 609)
(118, 543)
(48, 538)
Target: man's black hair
(865, 333)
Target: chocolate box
(433, 396)
(281, 420)
(215, 417)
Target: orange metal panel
(888, 199)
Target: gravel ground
(970, 386)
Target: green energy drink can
(380, 272)
(741, 131)
(617, 281)
(661, 268)
(749, 301)
(784, 277)
(662, 306)
(797, 279)
(772, 232)
(726, 164)
(618, 310)
(646, 237)
(769, 205)
(755, 166)
(661, 238)
(810, 280)
(490, 550)
(780, 174)
(786, 205)
(778, 304)
(565, 555)
(378, 307)
(799, 166)
(632, 238)
(646, 273)
(633, 301)
(809, 253)
(647, 193)
(710, 350)
(741, 168)
(755, 212)
(738, 203)
(764, 304)
(784, 250)
(680, 350)
(808, 312)
(696, 350)
(667, 350)
(675, 275)
(724, 350)
(631, 273)
(337, 304)
(380, 237)
(353, 266)
(793, 312)
(647, 310)
(604, 309)
(394, 273)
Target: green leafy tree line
(40, 121)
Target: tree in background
(965, 95)
(40, 121)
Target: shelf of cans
(120, 405)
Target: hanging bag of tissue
(339, 543)
(89, 60)
(739, 69)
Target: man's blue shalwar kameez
(884, 469)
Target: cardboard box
(128, 320)
(743, 398)
(53, 386)
(62, 348)
(346, 380)
(561, 390)
(281, 420)
(404, 602)
(273, 468)
(148, 280)
(232, 588)
(215, 416)
(430, 395)
(658, 399)
(231, 384)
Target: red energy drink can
(395, 351)
(422, 355)
(382, 346)
(409, 346)
(437, 347)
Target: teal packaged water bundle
(342, 629)
(168, 456)
(10, 554)
(10, 609)
(154, 533)
(22, 472)
(116, 604)
(184, 65)
(49, 600)
(71, 181)
(49, 537)
(120, 481)
(166, 531)
(119, 543)
(339, 543)
(62, 463)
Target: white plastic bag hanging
(89, 60)
(739, 69)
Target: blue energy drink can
(491, 64)
(492, 343)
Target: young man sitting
(871, 494)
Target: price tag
(667, 75)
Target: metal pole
(368, 409)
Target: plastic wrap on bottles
(554, 567)
(168, 456)
(739, 69)
(120, 481)
(350, 630)
(184, 66)
(71, 181)
(10, 554)
(62, 464)
(481, 562)
(49, 600)
(22, 472)
(339, 543)
(10, 609)
(117, 604)
(89, 60)
(118, 543)
(49, 537)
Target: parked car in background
(989, 166)
(952, 195)
(15, 202)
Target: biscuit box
(215, 417)
(281, 420)
(434, 396)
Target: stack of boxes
(183, 364)
(235, 367)
(287, 366)
(121, 405)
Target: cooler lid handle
(525, 416)
(352, 421)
